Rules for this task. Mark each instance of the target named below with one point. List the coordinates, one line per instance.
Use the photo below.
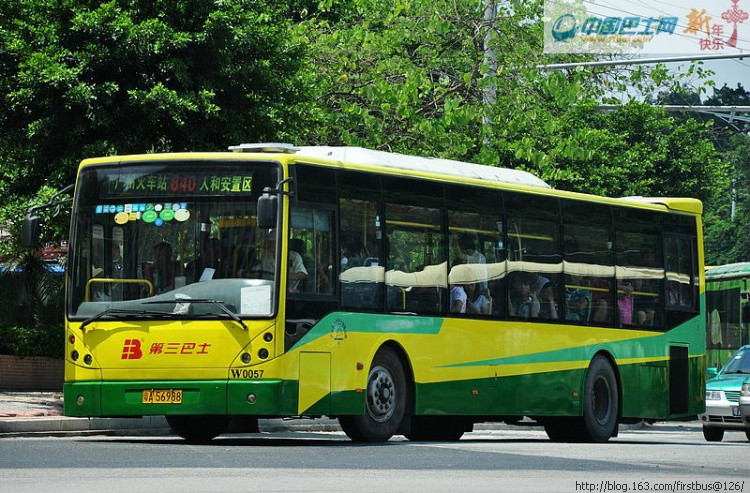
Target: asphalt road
(512, 459)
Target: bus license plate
(162, 396)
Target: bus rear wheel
(600, 402)
(198, 429)
(432, 429)
(712, 434)
(385, 401)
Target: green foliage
(30, 341)
(80, 79)
(727, 239)
(31, 307)
(55, 223)
(411, 77)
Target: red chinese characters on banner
(178, 348)
(698, 22)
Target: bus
(401, 295)
(727, 311)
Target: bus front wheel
(385, 401)
(600, 402)
(198, 429)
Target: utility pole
(489, 92)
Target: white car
(745, 406)
(723, 394)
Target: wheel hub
(381, 394)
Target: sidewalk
(29, 413)
(40, 414)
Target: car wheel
(198, 429)
(385, 401)
(431, 429)
(600, 402)
(713, 434)
(747, 434)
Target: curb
(64, 425)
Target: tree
(408, 77)
(81, 78)
(727, 238)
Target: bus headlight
(713, 395)
(746, 389)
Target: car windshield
(740, 363)
(172, 231)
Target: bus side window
(534, 257)
(361, 236)
(589, 264)
(310, 255)
(681, 268)
(476, 252)
(416, 268)
(639, 269)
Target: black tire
(198, 429)
(433, 429)
(600, 402)
(713, 434)
(385, 401)
(563, 429)
(747, 434)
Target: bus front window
(146, 233)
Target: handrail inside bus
(109, 280)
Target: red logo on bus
(132, 349)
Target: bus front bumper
(256, 397)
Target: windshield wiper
(218, 303)
(737, 371)
(123, 311)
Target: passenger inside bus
(458, 299)
(578, 301)
(164, 270)
(296, 265)
(477, 301)
(520, 301)
(546, 298)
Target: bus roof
(429, 168)
(369, 157)
(729, 271)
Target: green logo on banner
(149, 216)
(167, 214)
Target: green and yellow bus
(399, 294)
(727, 311)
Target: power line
(643, 61)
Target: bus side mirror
(268, 206)
(30, 231)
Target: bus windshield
(147, 234)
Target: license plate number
(170, 396)
(735, 411)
